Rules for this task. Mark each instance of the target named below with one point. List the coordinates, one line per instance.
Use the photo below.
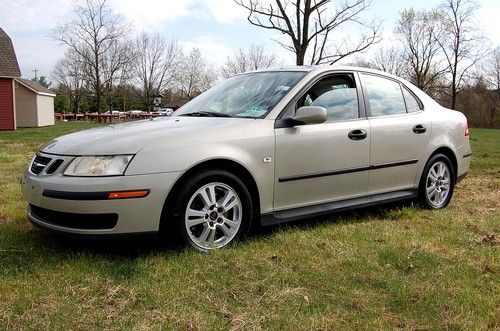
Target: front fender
(248, 149)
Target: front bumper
(97, 217)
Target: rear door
(324, 162)
(400, 133)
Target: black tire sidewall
(192, 184)
(422, 186)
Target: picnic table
(63, 116)
(103, 118)
(143, 115)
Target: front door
(325, 162)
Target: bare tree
(491, 74)
(253, 58)
(156, 62)
(391, 60)
(418, 31)
(116, 64)
(461, 43)
(94, 32)
(310, 24)
(194, 76)
(479, 103)
(491, 70)
(69, 72)
(361, 61)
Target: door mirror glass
(309, 115)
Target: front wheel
(437, 182)
(214, 209)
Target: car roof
(317, 69)
(313, 70)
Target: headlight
(98, 165)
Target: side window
(412, 105)
(337, 94)
(384, 95)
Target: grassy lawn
(394, 266)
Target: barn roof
(8, 61)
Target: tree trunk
(98, 100)
(76, 105)
(453, 98)
(300, 55)
(98, 94)
(453, 93)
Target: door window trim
(401, 86)
(420, 104)
(280, 121)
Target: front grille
(54, 166)
(39, 163)
(74, 220)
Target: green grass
(388, 267)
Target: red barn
(9, 69)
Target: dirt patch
(490, 239)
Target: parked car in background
(114, 112)
(133, 112)
(259, 148)
(163, 111)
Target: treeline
(444, 53)
(441, 50)
(104, 68)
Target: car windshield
(250, 95)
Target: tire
(210, 223)
(437, 182)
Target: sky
(216, 27)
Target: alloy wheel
(213, 216)
(438, 184)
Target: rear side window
(337, 94)
(384, 96)
(412, 105)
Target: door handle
(419, 128)
(357, 134)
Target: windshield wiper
(206, 113)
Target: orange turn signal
(128, 194)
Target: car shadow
(27, 250)
(358, 215)
(119, 246)
(131, 247)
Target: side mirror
(309, 115)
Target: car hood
(130, 138)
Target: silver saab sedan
(259, 148)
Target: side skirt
(294, 214)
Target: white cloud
(152, 14)
(25, 15)
(211, 47)
(489, 22)
(225, 11)
(30, 24)
(37, 53)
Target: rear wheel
(437, 182)
(213, 209)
